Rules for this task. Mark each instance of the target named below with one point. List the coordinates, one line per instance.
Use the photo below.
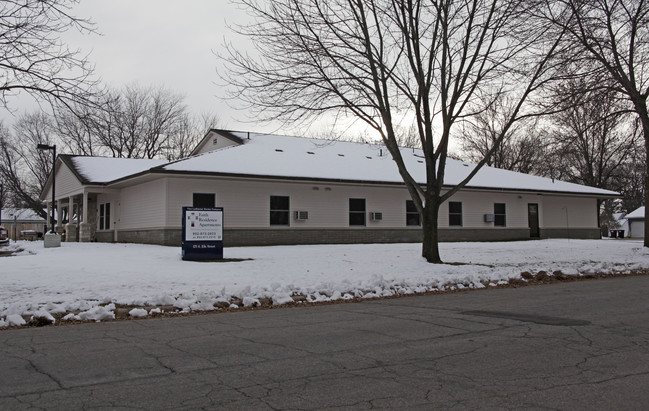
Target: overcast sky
(171, 43)
(161, 42)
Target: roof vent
(368, 157)
(279, 150)
(310, 152)
(341, 155)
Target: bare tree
(189, 131)
(33, 58)
(521, 149)
(631, 181)
(77, 130)
(23, 169)
(138, 122)
(612, 36)
(593, 135)
(377, 60)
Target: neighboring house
(620, 223)
(16, 220)
(636, 223)
(292, 190)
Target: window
(356, 211)
(412, 215)
(279, 210)
(104, 216)
(454, 213)
(500, 216)
(207, 200)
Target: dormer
(216, 139)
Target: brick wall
(238, 237)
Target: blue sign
(202, 237)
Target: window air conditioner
(488, 218)
(301, 215)
(374, 216)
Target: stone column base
(52, 240)
(84, 233)
(70, 233)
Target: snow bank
(87, 280)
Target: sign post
(202, 237)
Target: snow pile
(138, 312)
(87, 281)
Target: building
(619, 226)
(20, 220)
(635, 220)
(292, 190)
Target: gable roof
(267, 155)
(21, 214)
(636, 214)
(204, 143)
(100, 170)
(274, 156)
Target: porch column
(49, 223)
(84, 222)
(71, 227)
(59, 218)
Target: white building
(635, 219)
(291, 190)
(18, 220)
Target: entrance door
(533, 219)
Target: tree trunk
(646, 209)
(430, 246)
(643, 113)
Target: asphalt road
(580, 345)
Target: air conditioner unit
(489, 218)
(301, 215)
(374, 216)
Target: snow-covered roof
(106, 169)
(21, 214)
(637, 213)
(267, 155)
(297, 157)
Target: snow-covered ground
(86, 280)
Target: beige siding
(246, 203)
(214, 142)
(475, 204)
(66, 184)
(142, 205)
(571, 212)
